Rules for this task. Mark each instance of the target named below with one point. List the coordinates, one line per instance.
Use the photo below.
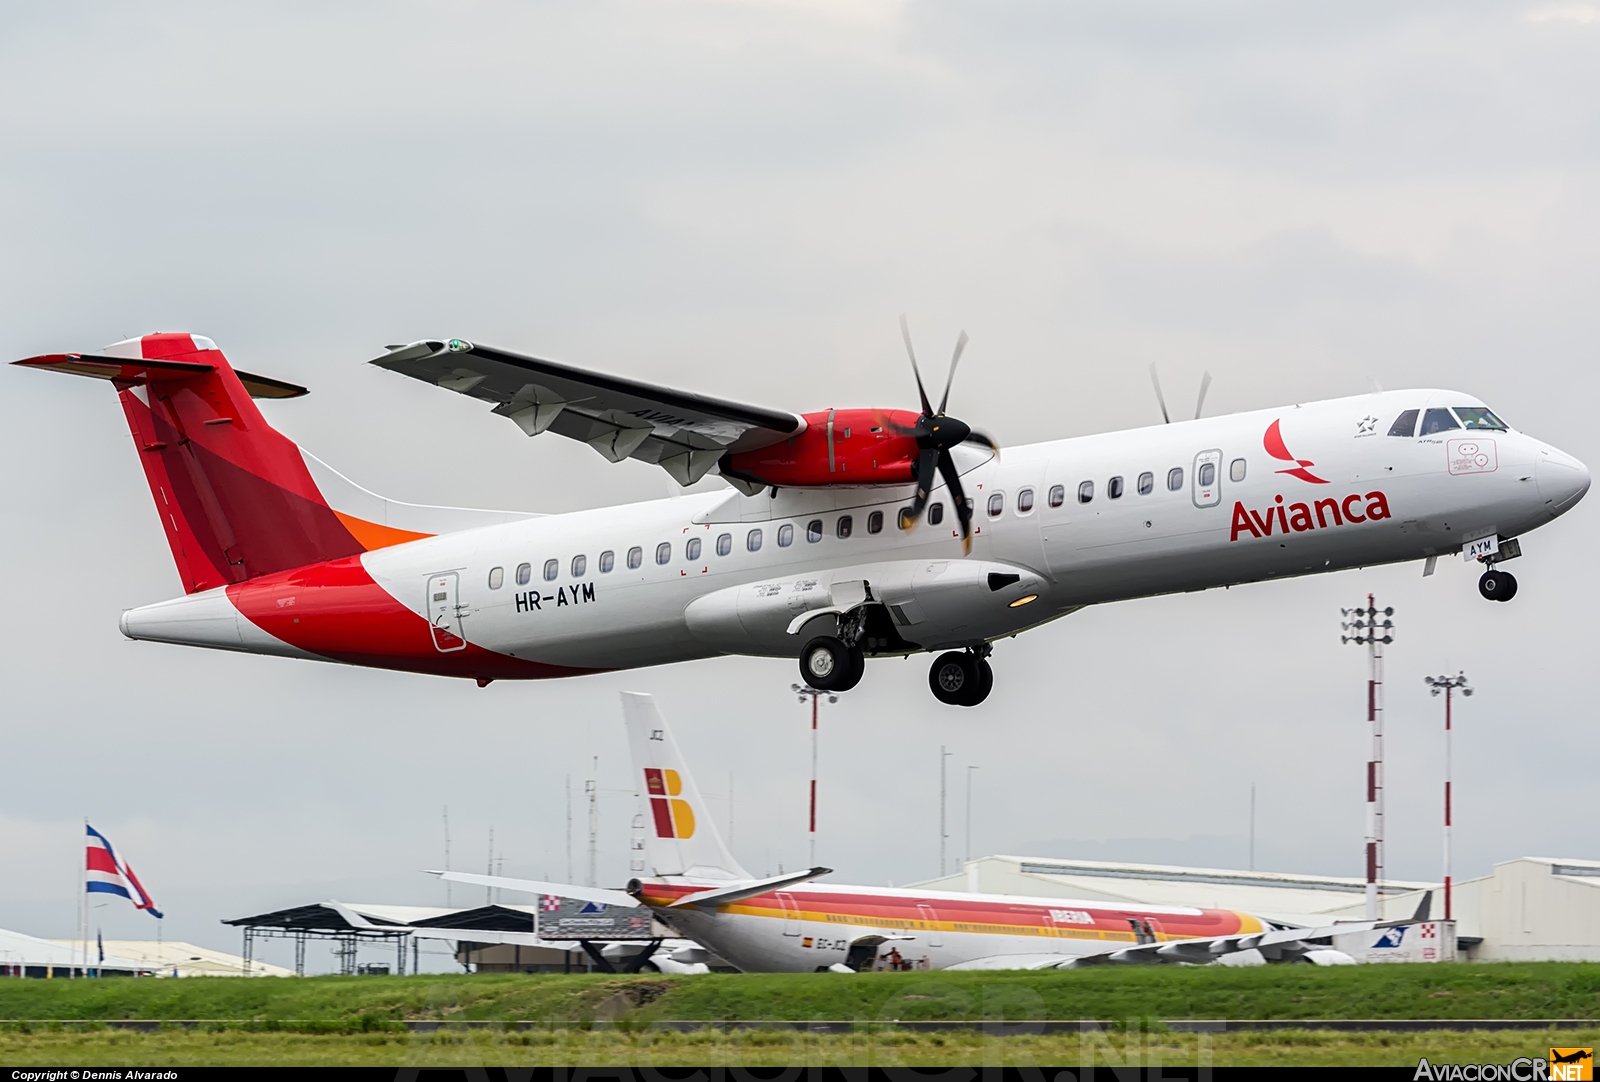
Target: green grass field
(353, 1020)
(1505, 990)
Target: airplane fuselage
(1059, 525)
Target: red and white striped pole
(1447, 684)
(814, 694)
(1364, 627)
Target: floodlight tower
(1372, 627)
(1449, 685)
(803, 692)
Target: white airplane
(847, 534)
(788, 923)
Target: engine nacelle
(838, 447)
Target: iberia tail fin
(237, 498)
(681, 838)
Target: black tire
(1497, 586)
(982, 686)
(826, 664)
(858, 669)
(952, 677)
(1510, 585)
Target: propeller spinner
(936, 432)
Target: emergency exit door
(791, 913)
(1208, 478)
(444, 613)
(931, 919)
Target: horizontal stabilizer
(136, 371)
(740, 891)
(598, 895)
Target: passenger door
(1208, 478)
(791, 913)
(444, 613)
(931, 919)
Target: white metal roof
(17, 949)
(187, 959)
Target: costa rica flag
(108, 875)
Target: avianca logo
(674, 818)
(1273, 442)
(1300, 517)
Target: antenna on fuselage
(1161, 399)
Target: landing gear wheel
(960, 679)
(827, 664)
(1498, 585)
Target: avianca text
(1300, 517)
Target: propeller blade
(1205, 385)
(888, 424)
(955, 359)
(985, 439)
(952, 480)
(905, 332)
(1156, 380)
(927, 462)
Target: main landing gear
(1498, 585)
(962, 677)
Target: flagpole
(83, 890)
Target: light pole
(967, 845)
(1449, 685)
(944, 835)
(804, 692)
(1371, 627)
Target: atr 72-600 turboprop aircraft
(849, 533)
(787, 923)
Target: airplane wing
(683, 433)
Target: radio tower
(1363, 626)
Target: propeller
(936, 432)
(1161, 400)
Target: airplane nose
(1562, 480)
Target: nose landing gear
(1498, 585)
(962, 677)
(828, 664)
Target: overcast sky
(739, 198)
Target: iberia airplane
(847, 533)
(788, 923)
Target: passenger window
(846, 524)
(905, 518)
(1058, 495)
(1208, 474)
(814, 530)
(1147, 483)
(1114, 488)
(752, 541)
(1478, 417)
(497, 575)
(1405, 424)
(524, 573)
(997, 504)
(1175, 479)
(551, 569)
(1437, 421)
(1086, 492)
(608, 560)
(580, 564)
(664, 552)
(691, 550)
(785, 536)
(635, 558)
(724, 544)
(875, 522)
(935, 514)
(1236, 470)
(1025, 501)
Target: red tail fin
(235, 496)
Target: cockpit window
(1437, 420)
(1477, 417)
(1405, 424)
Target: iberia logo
(1273, 442)
(674, 818)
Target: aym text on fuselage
(530, 601)
(1300, 517)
